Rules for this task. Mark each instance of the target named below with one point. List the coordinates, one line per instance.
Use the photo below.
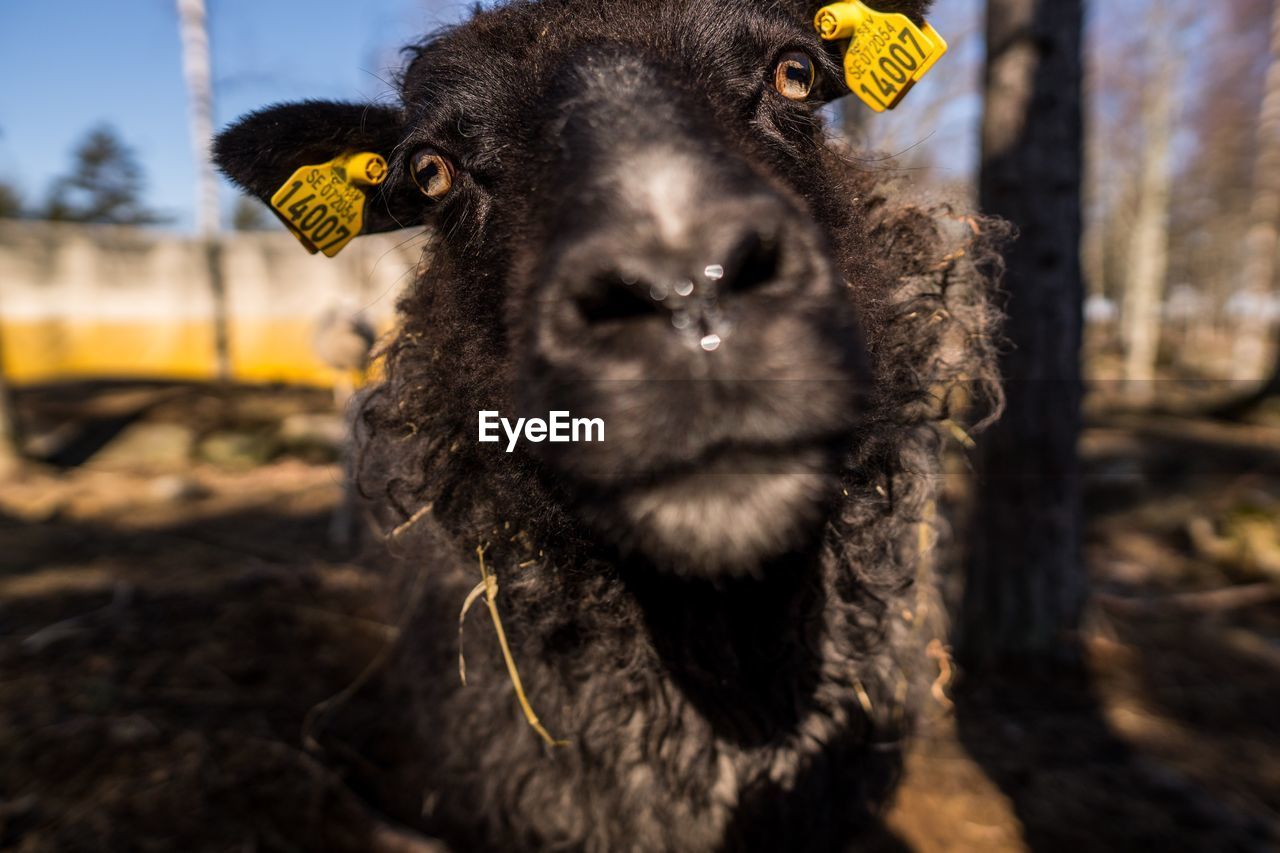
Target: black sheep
(723, 608)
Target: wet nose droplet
(684, 288)
(658, 292)
(715, 272)
(711, 343)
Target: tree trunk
(853, 122)
(197, 71)
(1148, 263)
(1025, 584)
(10, 436)
(1262, 240)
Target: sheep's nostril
(608, 298)
(754, 263)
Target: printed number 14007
(313, 221)
(883, 67)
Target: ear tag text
(887, 53)
(323, 205)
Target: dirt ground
(170, 631)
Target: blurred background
(180, 599)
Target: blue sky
(71, 64)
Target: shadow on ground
(155, 676)
(1165, 738)
(169, 666)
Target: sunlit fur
(724, 609)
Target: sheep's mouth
(727, 512)
(656, 432)
(730, 458)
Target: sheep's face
(632, 226)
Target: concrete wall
(102, 301)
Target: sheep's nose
(642, 284)
(627, 273)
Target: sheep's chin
(708, 524)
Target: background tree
(1148, 250)
(1211, 60)
(106, 184)
(1213, 188)
(10, 208)
(197, 73)
(249, 214)
(10, 435)
(1262, 240)
(9, 454)
(853, 122)
(10, 201)
(10, 197)
(1025, 584)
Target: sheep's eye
(793, 77)
(431, 172)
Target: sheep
(719, 615)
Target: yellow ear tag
(887, 53)
(323, 205)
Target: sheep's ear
(261, 150)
